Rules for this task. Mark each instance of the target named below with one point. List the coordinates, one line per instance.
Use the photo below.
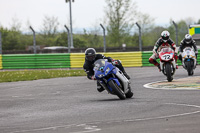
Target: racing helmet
(90, 54)
(165, 35)
(188, 38)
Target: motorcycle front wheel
(189, 68)
(117, 90)
(168, 70)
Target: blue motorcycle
(112, 79)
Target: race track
(73, 105)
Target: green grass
(24, 75)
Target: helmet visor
(90, 57)
(165, 38)
(188, 41)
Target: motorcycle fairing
(115, 80)
(100, 71)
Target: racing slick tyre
(129, 94)
(189, 68)
(117, 90)
(168, 70)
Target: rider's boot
(195, 65)
(158, 65)
(153, 61)
(99, 87)
(176, 66)
(176, 58)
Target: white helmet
(188, 38)
(165, 35)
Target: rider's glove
(93, 78)
(114, 62)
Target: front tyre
(117, 90)
(168, 70)
(189, 68)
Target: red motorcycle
(167, 63)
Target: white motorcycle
(189, 60)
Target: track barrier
(72, 60)
(0, 61)
(35, 61)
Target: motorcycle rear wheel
(117, 90)
(129, 94)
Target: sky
(90, 13)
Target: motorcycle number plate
(166, 57)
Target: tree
(50, 26)
(92, 39)
(182, 30)
(189, 20)
(10, 39)
(198, 21)
(149, 38)
(149, 35)
(145, 21)
(79, 43)
(62, 39)
(16, 24)
(120, 15)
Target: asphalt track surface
(73, 105)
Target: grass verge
(25, 75)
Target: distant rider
(163, 42)
(187, 42)
(91, 57)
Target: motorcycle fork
(102, 83)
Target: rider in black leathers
(91, 57)
(187, 42)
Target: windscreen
(164, 50)
(188, 48)
(99, 64)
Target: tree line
(120, 29)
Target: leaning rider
(91, 57)
(163, 42)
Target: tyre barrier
(35, 61)
(0, 61)
(71, 60)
